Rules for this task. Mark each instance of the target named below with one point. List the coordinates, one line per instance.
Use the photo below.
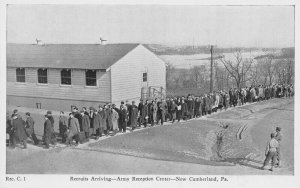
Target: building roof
(71, 56)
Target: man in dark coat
(107, 111)
(92, 115)
(145, 114)
(173, 109)
(140, 109)
(184, 108)
(63, 126)
(8, 128)
(134, 115)
(78, 116)
(122, 118)
(102, 121)
(197, 107)
(129, 111)
(96, 125)
(18, 124)
(30, 128)
(50, 117)
(85, 125)
(47, 132)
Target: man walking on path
(85, 125)
(74, 129)
(30, 128)
(63, 126)
(271, 152)
(47, 132)
(18, 127)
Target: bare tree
(170, 70)
(238, 67)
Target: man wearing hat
(271, 152)
(19, 132)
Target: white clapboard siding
(54, 90)
(126, 74)
(11, 75)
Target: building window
(65, 77)
(20, 72)
(91, 78)
(42, 76)
(144, 77)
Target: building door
(144, 84)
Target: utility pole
(211, 69)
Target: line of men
(109, 119)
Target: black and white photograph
(157, 93)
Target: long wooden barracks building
(58, 76)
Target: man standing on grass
(30, 128)
(271, 152)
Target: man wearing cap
(18, 125)
(271, 152)
(30, 128)
(278, 137)
(85, 124)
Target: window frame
(65, 77)
(143, 77)
(20, 76)
(90, 78)
(39, 76)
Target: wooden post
(211, 69)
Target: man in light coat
(271, 152)
(114, 120)
(73, 130)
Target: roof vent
(39, 42)
(103, 41)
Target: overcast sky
(226, 26)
